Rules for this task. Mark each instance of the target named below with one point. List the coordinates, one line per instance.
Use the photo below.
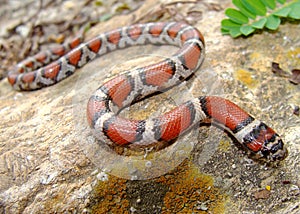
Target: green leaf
(236, 16)
(283, 12)
(230, 27)
(281, 1)
(269, 3)
(243, 9)
(235, 32)
(239, 23)
(255, 6)
(224, 31)
(260, 23)
(247, 30)
(273, 22)
(295, 10)
(229, 24)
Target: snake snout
(280, 154)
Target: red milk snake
(104, 105)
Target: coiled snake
(48, 68)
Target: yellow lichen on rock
(246, 78)
(190, 191)
(111, 196)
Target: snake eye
(280, 154)
(277, 146)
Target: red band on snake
(48, 68)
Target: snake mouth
(268, 157)
(276, 157)
(279, 155)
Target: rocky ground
(50, 162)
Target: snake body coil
(37, 72)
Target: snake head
(274, 151)
(265, 144)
